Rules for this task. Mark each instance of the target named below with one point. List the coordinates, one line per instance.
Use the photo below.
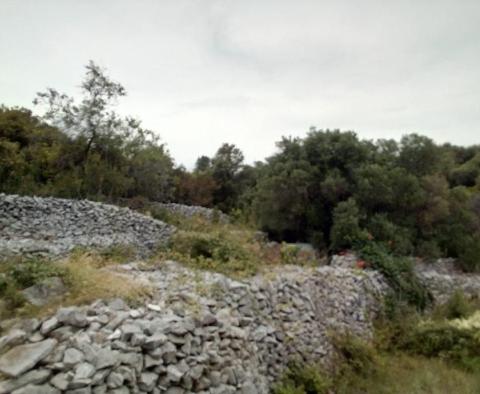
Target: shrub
(289, 253)
(446, 341)
(160, 213)
(457, 307)
(215, 250)
(26, 273)
(3, 283)
(355, 355)
(399, 272)
(428, 249)
(118, 253)
(303, 379)
(469, 257)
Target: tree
(226, 165)
(419, 155)
(116, 156)
(202, 164)
(346, 231)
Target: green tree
(346, 231)
(226, 165)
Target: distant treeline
(329, 188)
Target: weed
(399, 272)
(458, 306)
(302, 379)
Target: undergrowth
(231, 249)
(406, 288)
(83, 273)
(411, 353)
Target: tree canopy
(331, 188)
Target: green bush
(3, 283)
(399, 272)
(26, 273)
(160, 213)
(302, 379)
(428, 249)
(118, 253)
(457, 307)
(215, 250)
(355, 355)
(446, 341)
(289, 253)
(469, 258)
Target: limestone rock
(24, 357)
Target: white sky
(204, 72)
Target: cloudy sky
(203, 72)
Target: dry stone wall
(53, 226)
(442, 277)
(200, 333)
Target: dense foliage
(413, 197)
(339, 192)
(85, 149)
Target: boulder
(24, 357)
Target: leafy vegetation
(398, 271)
(410, 354)
(231, 249)
(83, 273)
(330, 188)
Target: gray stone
(14, 337)
(106, 358)
(100, 389)
(44, 291)
(72, 316)
(82, 390)
(174, 374)
(32, 377)
(115, 380)
(49, 325)
(60, 381)
(84, 371)
(24, 357)
(72, 356)
(34, 389)
(155, 341)
(118, 304)
(148, 380)
(249, 388)
(175, 390)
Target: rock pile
(201, 332)
(193, 210)
(53, 226)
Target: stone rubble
(200, 333)
(54, 226)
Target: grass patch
(230, 249)
(84, 274)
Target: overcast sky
(204, 72)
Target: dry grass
(88, 278)
(401, 374)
